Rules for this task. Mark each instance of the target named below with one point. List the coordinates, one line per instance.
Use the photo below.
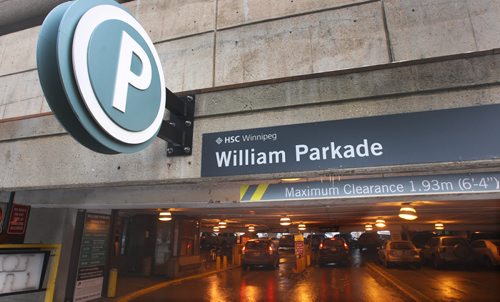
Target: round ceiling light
(408, 213)
(165, 216)
(368, 227)
(439, 226)
(222, 224)
(302, 227)
(285, 221)
(216, 229)
(251, 228)
(380, 223)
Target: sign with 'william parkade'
(450, 135)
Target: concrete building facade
(250, 64)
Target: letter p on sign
(125, 75)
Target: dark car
(487, 252)
(333, 250)
(315, 240)
(259, 252)
(351, 242)
(447, 249)
(370, 241)
(287, 242)
(399, 252)
(420, 239)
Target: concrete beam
(21, 14)
(427, 28)
(32, 149)
(17, 15)
(238, 12)
(330, 40)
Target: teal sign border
(54, 50)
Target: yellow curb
(410, 292)
(161, 285)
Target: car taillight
(243, 251)
(270, 250)
(346, 247)
(321, 246)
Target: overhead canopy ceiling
(457, 213)
(211, 202)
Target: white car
(487, 252)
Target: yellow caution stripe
(243, 191)
(261, 190)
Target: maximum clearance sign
(101, 75)
(450, 135)
(373, 187)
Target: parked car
(315, 240)
(261, 252)
(399, 252)
(351, 242)
(333, 250)
(287, 242)
(369, 240)
(447, 249)
(487, 252)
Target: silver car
(399, 252)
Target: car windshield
(332, 243)
(257, 245)
(401, 246)
(453, 241)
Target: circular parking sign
(101, 75)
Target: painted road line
(413, 294)
(148, 290)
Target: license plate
(333, 249)
(256, 254)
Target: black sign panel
(90, 275)
(449, 135)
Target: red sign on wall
(299, 248)
(18, 219)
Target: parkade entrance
(145, 247)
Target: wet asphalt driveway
(361, 281)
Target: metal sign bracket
(178, 130)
